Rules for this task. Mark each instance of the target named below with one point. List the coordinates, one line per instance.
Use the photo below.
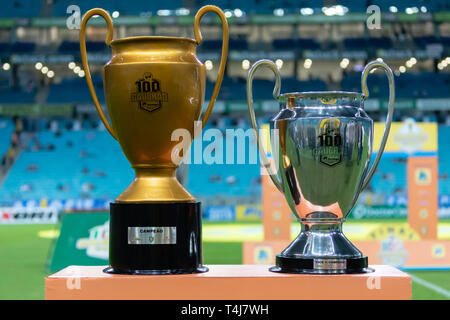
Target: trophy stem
(321, 248)
(155, 184)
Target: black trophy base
(321, 265)
(111, 270)
(155, 238)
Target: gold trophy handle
(276, 93)
(388, 71)
(223, 59)
(108, 40)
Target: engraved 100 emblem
(149, 95)
(329, 141)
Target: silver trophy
(322, 154)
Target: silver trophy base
(321, 248)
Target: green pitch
(24, 254)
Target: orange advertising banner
(423, 196)
(408, 254)
(276, 214)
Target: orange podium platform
(227, 282)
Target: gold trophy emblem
(153, 86)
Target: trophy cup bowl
(154, 85)
(322, 153)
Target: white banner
(28, 215)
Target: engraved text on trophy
(149, 95)
(329, 148)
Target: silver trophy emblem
(322, 153)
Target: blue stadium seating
(20, 8)
(6, 48)
(74, 47)
(16, 95)
(407, 85)
(126, 8)
(444, 155)
(6, 129)
(75, 90)
(92, 157)
(293, 44)
(59, 173)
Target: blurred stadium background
(57, 156)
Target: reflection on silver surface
(322, 155)
(152, 235)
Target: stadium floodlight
(115, 14)
(209, 64)
(38, 65)
(340, 10)
(308, 63)
(402, 69)
(71, 65)
(380, 59)
(245, 64)
(393, 9)
(50, 74)
(163, 12)
(44, 70)
(238, 13)
(306, 11)
(279, 63)
(76, 69)
(329, 11)
(182, 12)
(278, 12)
(411, 10)
(344, 63)
(423, 9)
(228, 13)
(440, 66)
(6, 66)
(409, 64)
(413, 60)
(444, 63)
(81, 73)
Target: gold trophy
(153, 86)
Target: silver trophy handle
(276, 93)
(388, 71)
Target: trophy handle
(276, 93)
(223, 59)
(388, 71)
(108, 40)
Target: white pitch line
(431, 286)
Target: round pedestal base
(155, 238)
(156, 272)
(321, 265)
